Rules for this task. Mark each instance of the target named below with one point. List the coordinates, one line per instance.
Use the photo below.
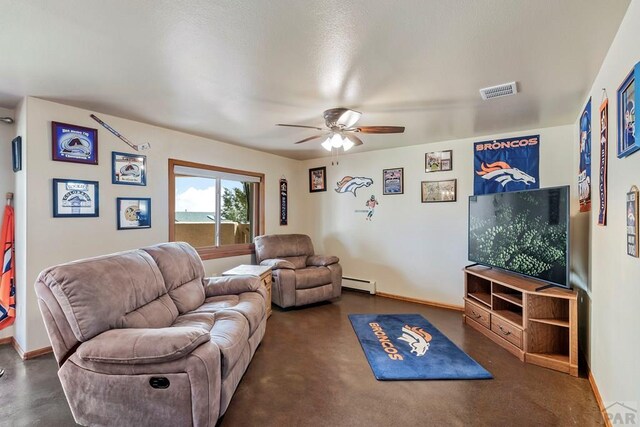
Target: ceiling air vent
(498, 91)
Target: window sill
(216, 252)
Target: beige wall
(411, 248)
(52, 241)
(612, 310)
(7, 184)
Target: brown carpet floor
(310, 371)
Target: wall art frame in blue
(75, 198)
(133, 213)
(128, 169)
(628, 98)
(75, 144)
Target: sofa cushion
(282, 246)
(143, 346)
(296, 261)
(195, 320)
(159, 313)
(182, 271)
(311, 277)
(230, 333)
(96, 294)
(250, 304)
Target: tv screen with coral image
(526, 232)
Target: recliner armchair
(299, 276)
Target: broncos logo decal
(503, 173)
(417, 338)
(350, 184)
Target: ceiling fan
(341, 129)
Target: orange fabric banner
(7, 282)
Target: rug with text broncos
(408, 347)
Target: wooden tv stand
(537, 327)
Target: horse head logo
(351, 184)
(417, 338)
(503, 173)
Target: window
(217, 210)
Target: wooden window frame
(215, 252)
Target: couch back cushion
(182, 270)
(284, 246)
(120, 290)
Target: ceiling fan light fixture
(327, 144)
(347, 144)
(337, 140)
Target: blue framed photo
(133, 213)
(128, 169)
(74, 198)
(75, 144)
(627, 100)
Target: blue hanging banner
(510, 164)
(584, 171)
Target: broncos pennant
(509, 164)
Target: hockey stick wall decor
(140, 147)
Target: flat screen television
(525, 232)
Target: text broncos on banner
(510, 164)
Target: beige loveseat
(143, 338)
(300, 277)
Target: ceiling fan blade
(380, 129)
(353, 138)
(309, 139)
(300, 126)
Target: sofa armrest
(230, 285)
(322, 260)
(278, 263)
(137, 346)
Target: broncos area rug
(408, 347)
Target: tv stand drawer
(506, 331)
(480, 315)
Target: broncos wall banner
(584, 173)
(510, 164)
(7, 282)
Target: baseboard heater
(359, 284)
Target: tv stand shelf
(539, 327)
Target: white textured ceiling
(230, 70)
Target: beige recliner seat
(299, 276)
(143, 338)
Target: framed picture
(439, 191)
(16, 153)
(128, 169)
(393, 181)
(438, 161)
(317, 179)
(133, 213)
(75, 198)
(76, 144)
(627, 99)
(632, 222)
